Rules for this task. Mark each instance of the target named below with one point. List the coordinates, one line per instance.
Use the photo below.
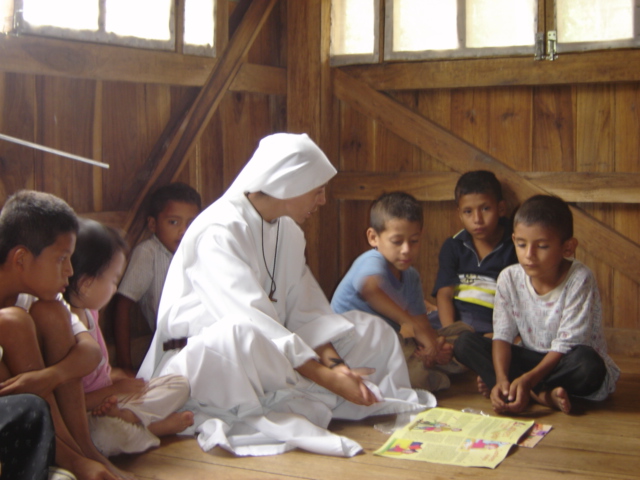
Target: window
(424, 29)
(354, 31)
(596, 24)
(137, 23)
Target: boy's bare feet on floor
(482, 388)
(174, 423)
(557, 398)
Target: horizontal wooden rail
(439, 186)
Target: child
(383, 282)
(131, 414)
(470, 261)
(552, 302)
(172, 208)
(41, 355)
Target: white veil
(285, 165)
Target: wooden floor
(598, 441)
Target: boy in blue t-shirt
(383, 282)
(471, 260)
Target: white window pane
(425, 25)
(594, 20)
(352, 27)
(76, 14)
(501, 23)
(149, 19)
(6, 16)
(199, 22)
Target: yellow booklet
(452, 437)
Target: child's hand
(500, 396)
(445, 351)
(38, 382)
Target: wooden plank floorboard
(599, 441)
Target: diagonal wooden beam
(595, 237)
(182, 139)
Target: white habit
(243, 348)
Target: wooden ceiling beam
(594, 236)
(73, 59)
(181, 140)
(605, 66)
(585, 187)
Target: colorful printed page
(451, 437)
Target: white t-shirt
(568, 316)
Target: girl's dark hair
(549, 211)
(96, 245)
(399, 205)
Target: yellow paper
(451, 437)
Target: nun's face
(300, 208)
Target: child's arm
(126, 386)
(446, 309)
(122, 324)
(410, 325)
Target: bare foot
(482, 388)
(174, 423)
(557, 398)
(109, 408)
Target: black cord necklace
(272, 272)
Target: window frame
(461, 52)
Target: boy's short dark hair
(549, 211)
(177, 192)
(34, 220)
(478, 181)
(394, 205)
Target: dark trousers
(27, 438)
(580, 372)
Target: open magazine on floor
(452, 437)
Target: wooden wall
(123, 117)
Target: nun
(242, 317)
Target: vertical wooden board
(470, 116)
(245, 121)
(434, 105)
(266, 50)
(510, 126)
(135, 116)
(441, 222)
(553, 142)
(357, 141)
(626, 296)
(354, 221)
(595, 153)
(17, 119)
(65, 120)
(393, 153)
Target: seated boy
(383, 282)
(172, 208)
(552, 302)
(470, 261)
(40, 353)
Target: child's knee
(51, 316)
(15, 321)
